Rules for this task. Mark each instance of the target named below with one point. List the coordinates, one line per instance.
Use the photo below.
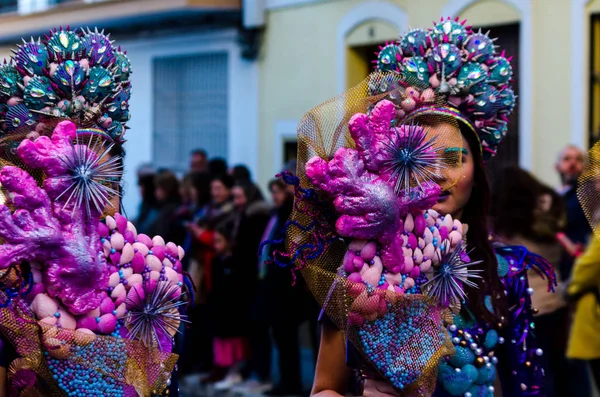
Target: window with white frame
(190, 108)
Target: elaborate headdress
(452, 70)
(389, 271)
(90, 307)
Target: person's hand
(378, 388)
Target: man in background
(199, 161)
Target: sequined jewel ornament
(70, 75)
(464, 70)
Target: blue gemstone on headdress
(414, 43)
(449, 31)
(501, 71)
(9, 77)
(470, 75)
(480, 47)
(445, 58)
(388, 58)
(39, 93)
(415, 71)
(32, 57)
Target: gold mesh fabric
(125, 363)
(588, 190)
(322, 132)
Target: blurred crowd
(246, 305)
(243, 304)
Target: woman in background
(525, 212)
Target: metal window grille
(190, 108)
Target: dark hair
(199, 152)
(277, 183)
(147, 182)
(201, 182)
(475, 215)
(217, 166)
(241, 173)
(167, 181)
(225, 179)
(225, 229)
(514, 202)
(250, 191)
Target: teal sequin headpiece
(71, 75)
(452, 67)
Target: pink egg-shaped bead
(49, 320)
(415, 272)
(399, 290)
(420, 225)
(171, 275)
(357, 288)
(407, 252)
(121, 223)
(427, 237)
(111, 223)
(436, 233)
(135, 296)
(127, 273)
(102, 229)
(36, 275)
(172, 249)
(408, 264)
(357, 263)
(158, 251)
(107, 324)
(412, 242)
(458, 226)
(154, 263)
(369, 251)
(364, 269)
(117, 241)
(154, 275)
(383, 286)
(126, 254)
(176, 293)
(455, 237)
(409, 283)
(398, 268)
(138, 263)
(115, 258)
(177, 266)
(167, 263)
(427, 96)
(114, 279)
(93, 313)
(421, 244)
(408, 104)
(129, 237)
(181, 252)
(144, 239)
(106, 251)
(118, 294)
(66, 319)
(140, 247)
(355, 277)
(121, 310)
(134, 279)
(444, 232)
(158, 240)
(429, 220)
(357, 245)
(106, 244)
(393, 278)
(88, 323)
(409, 223)
(107, 306)
(417, 256)
(151, 285)
(131, 228)
(425, 266)
(44, 306)
(448, 222)
(112, 269)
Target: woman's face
(278, 195)
(453, 200)
(160, 194)
(239, 197)
(219, 192)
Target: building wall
(300, 68)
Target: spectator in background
(217, 167)
(148, 207)
(525, 212)
(284, 301)
(569, 166)
(199, 161)
(241, 174)
(168, 198)
(228, 311)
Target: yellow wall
(298, 66)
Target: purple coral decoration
(41, 229)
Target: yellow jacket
(584, 341)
